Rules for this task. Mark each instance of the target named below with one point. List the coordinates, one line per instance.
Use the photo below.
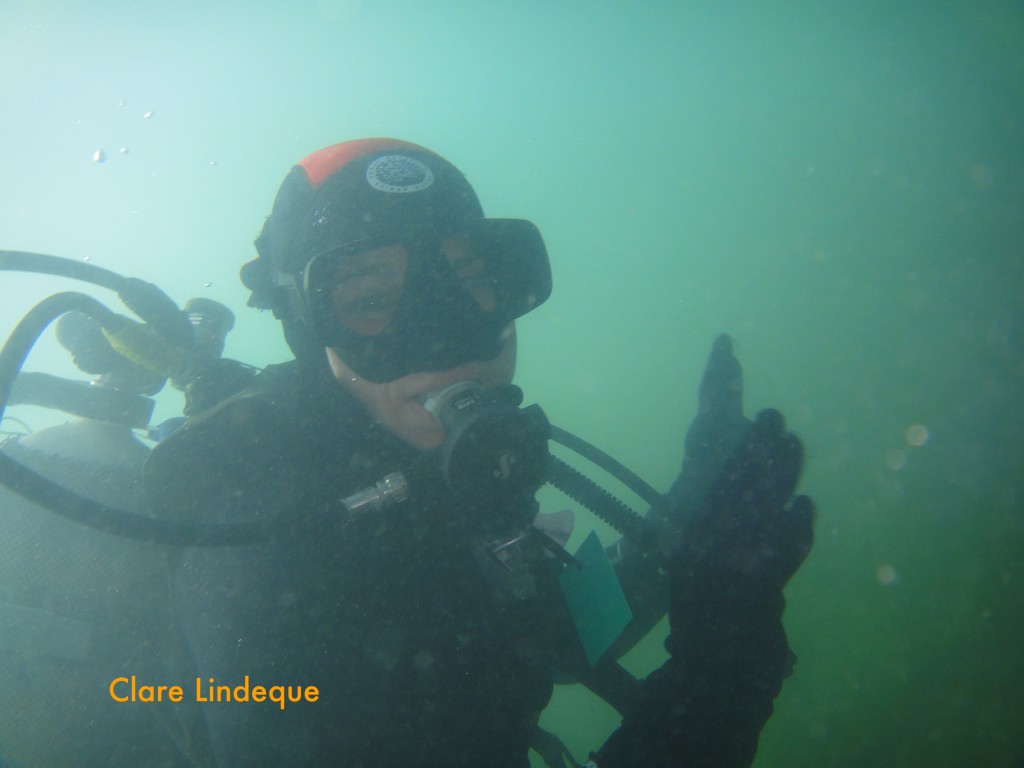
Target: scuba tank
(80, 607)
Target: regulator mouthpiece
(494, 452)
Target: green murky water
(838, 185)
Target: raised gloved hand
(743, 535)
(730, 530)
(734, 535)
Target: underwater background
(838, 185)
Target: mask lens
(507, 271)
(466, 259)
(365, 288)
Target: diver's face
(396, 404)
(413, 317)
(366, 288)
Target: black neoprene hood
(369, 193)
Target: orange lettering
(113, 683)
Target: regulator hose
(23, 261)
(53, 496)
(28, 330)
(144, 299)
(616, 469)
(131, 525)
(582, 489)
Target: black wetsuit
(420, 659)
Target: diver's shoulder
(220, 445)
(222, 382)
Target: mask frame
(515, 261)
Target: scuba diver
(402, 567)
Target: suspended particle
(207, 285)
(87, 258)
(99, 156)
(120, 103)
(123, 150)
(981, 175)
(896, 460)
(916, 435)
(213, 162)
(887, 576)
(147, 115)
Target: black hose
(144, 299)
(22, 261)
(81, 509)
(28, 330)
(80, 398)
(614, 468)
(578, 486)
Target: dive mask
(426, 300)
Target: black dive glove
(736, 539)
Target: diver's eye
(367, 287)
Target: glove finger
(770, 423)
(757, 481)
(783, 474)
(721, 387)
(780, 457)
(738, 484)
(791, 539)
(716, 431)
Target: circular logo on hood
(398, 173)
